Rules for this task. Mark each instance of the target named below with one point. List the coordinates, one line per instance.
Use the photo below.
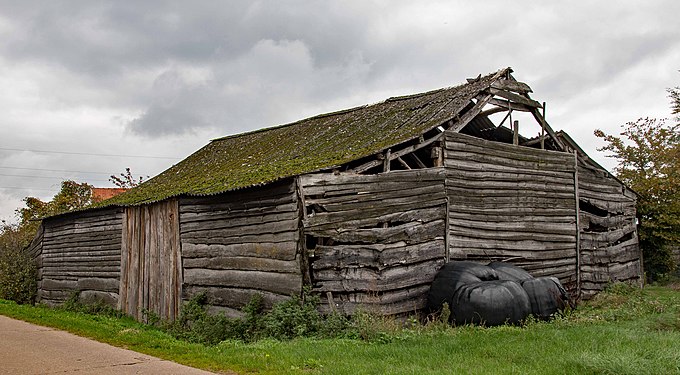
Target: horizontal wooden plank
(280, 283)
(475, 187)
(235, 298)
(83, 229)
(593, 240)
(218, 239)
(322, 221)
(454, 165)
(273, 250)
(49, 249)
(524, 226)
(378, 210)
(431, 194)
(507, 151)
(332, 181)
(527, 255)
(243, 263)
(231, 221)
(271, 228)
(103, 284)
(97, 253)
(81, 242)
(509, 235)
(466, 200)
(408, 190)
(526, 164)
(377, 256)
(198, 213)
(66, 274)
(518, 245)
(510, 216)
(472, 176)
(409, 233)
(365, 279)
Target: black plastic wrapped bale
(546, 295)
(490, 303)
(453, 276)
(507, 271)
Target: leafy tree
(674, 94)
(17, 272)
(127, 180)
(648, 155)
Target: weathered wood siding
(512, 203)
(242, 243)
(81, 252)
(609, 243)
(151, 270)
(377, 240)
(34, 251)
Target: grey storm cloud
(177, 66)
(163, 77)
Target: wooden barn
(362, 205)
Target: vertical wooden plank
(515, 133)
(543, 130)
(162, 273)
(177, 256)
(133, 281)
(578, 227)
(124, 263)
(302, 240)
(154, 272)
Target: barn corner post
(578, 227)
(302, 241)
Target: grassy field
(621, 332)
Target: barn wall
(241, 243)
(609, 242)
(377, 240)
(151, 272)
(34, 251)
(512, 203)
(81, 252)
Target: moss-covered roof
(316, 143)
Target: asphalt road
(29, 349)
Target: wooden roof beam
(512, 85)
(491, 111)
(509, 105)
(517, 98)
(539, 118)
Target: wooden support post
(387, 160)
(305, 267)
(543, 130)
(515, 133)
(402, 162)
(331, 304)
(437, 156)
(447, 231)
(578, 227)
(417, 160)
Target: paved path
(29, 349)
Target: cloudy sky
(89, 88)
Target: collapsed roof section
(358, 139)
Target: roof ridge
(352, 109)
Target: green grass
(622, 332)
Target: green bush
(17, 276)
(297, 316)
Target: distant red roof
(100, 194)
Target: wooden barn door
(151, 263)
